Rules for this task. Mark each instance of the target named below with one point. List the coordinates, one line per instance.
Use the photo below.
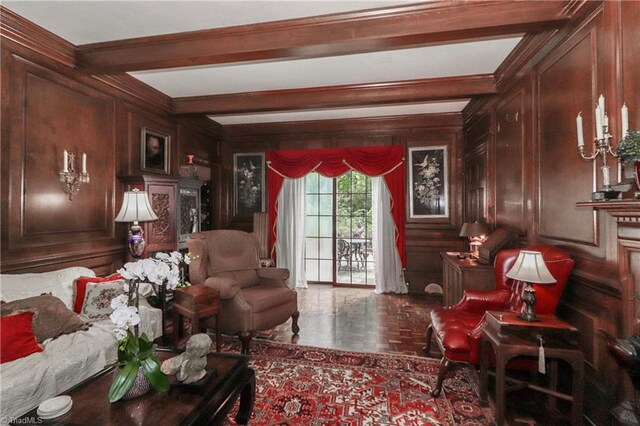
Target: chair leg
(427, 347)
(294, 322)
(245, 339)
(442, 371)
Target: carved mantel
(627, 215)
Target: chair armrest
(274, 273)
(478, 301)
(198, 266)
(227, 287)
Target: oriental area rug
(303, 385)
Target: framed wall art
(248, 183)
(154, 151)
(428, 182)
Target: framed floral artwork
(428, 182)
(248, 183)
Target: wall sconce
(69, 177)
(477, 233)
(602, 147)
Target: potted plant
(629, 153)
(137, 360)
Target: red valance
(387, 161)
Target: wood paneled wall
(425, 238)
(47, 107)
(536, 177)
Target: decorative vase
(140, 386)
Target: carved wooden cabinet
(463, 274)
(160, 234)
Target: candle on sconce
(84, 163)
(65, 161)
(579, 129)
(599, 134)
(606, 121)
(625, 119)
(602, 108)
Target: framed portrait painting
(248, 183)
(155, 152)
(428, 182)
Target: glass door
(319, 228)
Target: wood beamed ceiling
(390, 28)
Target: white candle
(579, 128)
(606, 121)
(625, 120)
(602, 108)
(84, 163)
(599, 134)
(65, 162)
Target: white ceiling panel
(329, 114)
(394, 65)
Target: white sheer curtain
(389, 274)
(290, 231)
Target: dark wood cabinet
(463, 274)
(161, 234)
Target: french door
(339, 230)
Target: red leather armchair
(458, 328)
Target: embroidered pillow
(97, 299)
(51, 317)
(81, 286)
(16, 337)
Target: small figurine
(190, 365)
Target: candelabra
(601, 148)
(70, 178)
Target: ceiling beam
(327, 35)
(394, 92)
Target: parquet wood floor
(357, 319)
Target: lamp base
(529, 316)
(136, 241)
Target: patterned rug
(303, 385)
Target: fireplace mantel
(627, 211)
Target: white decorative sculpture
(190, 365)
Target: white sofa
(66, 360)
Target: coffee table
(179, 406)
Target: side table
(196, 302)
(510, 336)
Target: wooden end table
(510, 336)
(196, 302)
(206, 405)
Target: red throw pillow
(16, 337)
(81, 288)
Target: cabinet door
(188, 214)
(161, 234)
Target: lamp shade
(475, 229)
(530, 268)
(136, 207)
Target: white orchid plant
(135, 351)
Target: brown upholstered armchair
(253, 298)
(458, 329)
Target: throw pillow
(16, 337)
(81, 288)
(97, 299)
(51, 317)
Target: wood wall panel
(565, 86)
(47, 107)
(509, 155)
(629, 13)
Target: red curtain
(387, 161)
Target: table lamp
(136, 208)
(530, 269)
(476, 232)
